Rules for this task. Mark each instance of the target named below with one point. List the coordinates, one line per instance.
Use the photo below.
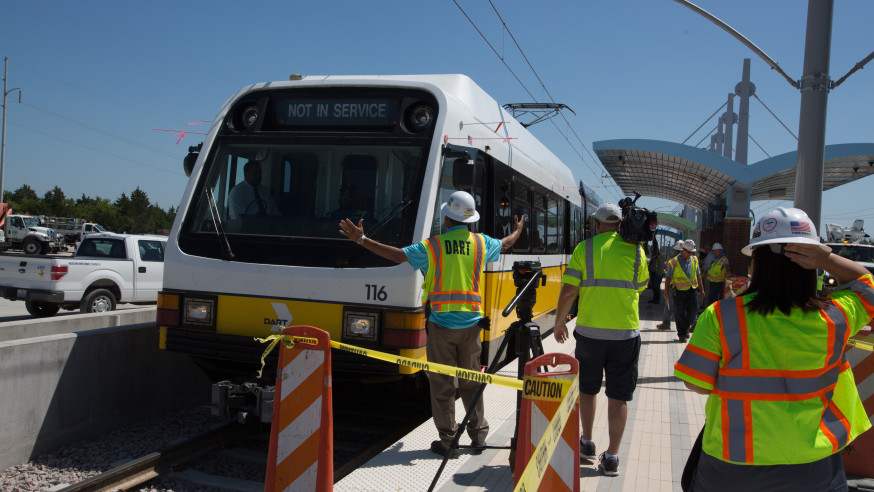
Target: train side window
(460, 174)
(520, 205)
(538, 222)
(554, 221)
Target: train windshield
(292, 196)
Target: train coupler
(246, 402)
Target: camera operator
(607, 273)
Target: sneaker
(661, 326)
(683, 339)
(587, 450)
(610, 466)
(437, 448)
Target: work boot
(477, 447)
(437, 448)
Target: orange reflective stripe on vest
(739, 384)
(679, 279)
(441, 297)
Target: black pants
(655, 283)
(685, 309)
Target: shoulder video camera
(638, 224)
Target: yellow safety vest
(774, 402)
(456, 261)
(608, 294)
(680, 280)
(717, 270)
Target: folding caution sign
(301, 456)
(544, 396)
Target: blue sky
(98, 76)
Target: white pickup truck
(106, 269)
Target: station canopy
(696, 177)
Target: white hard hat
(689, 245)
(784, 226)
(461, 207)
(716, 246)
(678, 245)
(608, 213)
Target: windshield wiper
(353, 252)
(219, 227)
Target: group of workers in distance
(777, 413)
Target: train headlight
(198, 312)
(361, 326)
(250, 116)
(421, 117)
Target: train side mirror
(191, 158)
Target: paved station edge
(663, 421)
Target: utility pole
(3, 138)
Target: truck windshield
(30, 221)
(294, 194)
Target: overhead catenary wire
(102, 132)
(97, 150)
(524, 87)
(543, 86)
(101, 95)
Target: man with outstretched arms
(453, 263)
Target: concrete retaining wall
(38, 327)
(60, 388)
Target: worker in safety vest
(453, 263)
(607, 273)
(668, 315)
(683, 274)
(716, 274)
(782, 401)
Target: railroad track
(158, 464)
(367, 419)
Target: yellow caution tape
(537, 388)
(273, 340)
(480, 377)
(862, 344)
(536, 467)
(477, 376)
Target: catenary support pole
(814, 97)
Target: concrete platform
(663, 421)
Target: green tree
(57, 204)
(25, 201)
(133, 214)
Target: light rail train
(390, 149)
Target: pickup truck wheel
(32, 247)
(98, 301)
(41, 309)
